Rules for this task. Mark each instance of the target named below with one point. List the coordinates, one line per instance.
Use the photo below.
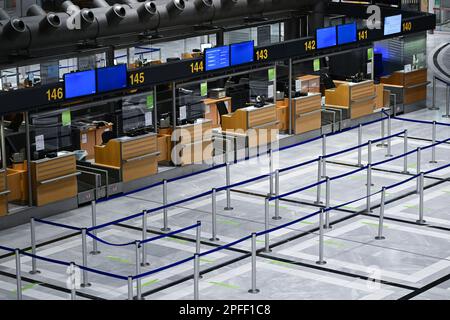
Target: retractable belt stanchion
(369, 157)
(359, 144)
(319, 178)
(277, 193)
(382, 143)
(196, 276)
(84, 252)
(18, 274)
(271, 193)
(214, 215)
(321, 261)
(266, 226)
(327, 202)
(324, 154)
(433, 148)
(419, 160)
(381, 218)
(421, 198)
(389, 141)
(198, 237)
(253, 289)
(144, 262)
(130, 288)
(433, 107)
(73, 287)
(165, 210)
(447, 103)
(228, 182)
(369, 185)
(138, 248)
(405, 150)
(95, 250)
(34, 269)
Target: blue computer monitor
(346, 33)
(112, 78)
(79, 84)
(217, 58)
(242, 52)
(326, 37)
(392, 24)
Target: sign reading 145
(137, 78)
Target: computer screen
(112, 78)
(79, 84)
(242, 53)
(346, 33)
(392, 24)
(217, 58)
(326, 37)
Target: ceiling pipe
(79, 18)
(50, 21)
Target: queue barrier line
(56, 224)
(418, 121)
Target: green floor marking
(350, 207)
(118, 259)
(412, 166)
(282, 263)
(280, 206)
(334, 243)
(357, 177)
(260, 241)
(27, 286)
(306, 222)
(410, 206)
(373, 224)
(177, 240)
(229, 222)
(225, 285)
(150, 282)
(207, 260)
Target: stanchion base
(382, 145)
(165, 229)
(329, 227)
(214, 239)
(405, 172)
(445, 116)
(228, 208)
(321, 262)
(433, 108)
(379, 238)
(136, 298)
(94, 253)
(421, 222)
(145, 264)
(389, 155)
(318, 202)
(433, 162)
(276, 218)
(34, 272)
(266, 251)
(253, 291)
(85, 285)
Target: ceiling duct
(146, 10)
(84, 16)
(49, 20)
(14, 27)
(114, 14)
(203, 4)
(175, 7)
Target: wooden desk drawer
(308, 122)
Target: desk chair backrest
(107, 135)
(222, 108)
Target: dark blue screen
(217, 58)
(347, 33)
(326, 37)
(112, 78)
(242, 53)
(79, 84)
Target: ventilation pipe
(114, 14)
(14, 27)
(86, 16)
(203, 4)
(50, 20)
(175, 7)
(146, 10)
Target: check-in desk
(283, 114)
(258, 125)
(357, 99)
(134, 157)
(18, 183)
(410, 88)
(54, 179)
(3, 193)
(211, 111)
(89, 135)
(193, 143)
(307, 113)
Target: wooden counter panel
(109, 154)
(197, 152)
(47, 193)
(164, 147)
(415, 95)
(139, 169)
(339, 96)
(53, 168)
(262, 136)
(397, 78)
(18, 185)
(308, 122)
(235, 121)
(193, 133)
(308, 104)
(415, 77)
(362, 109)
(139, 147)
(362, 91)
(261, 116)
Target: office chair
(222, 108)
(107, 135)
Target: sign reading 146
(54, 94)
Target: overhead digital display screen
(79, 84)
(392, 24)
(326, 37)
(217, 58)
(242, 53)
(346, 33)
(112, 78)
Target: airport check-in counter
(133, 157)
(356, 99)
(307, 113)
(212, 112)
(54, 179)
(410, 87)
(248, 123)
(3, 193)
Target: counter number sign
(137, 78)
(262, 54)
(54, 94)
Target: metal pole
(389, 142)
(266, 226)
(433, 149)
(84, 252)
(419, 160)
(382, 143)
(144, 262)
(433, 107)
(321, 261)
(196, 276)
(3, 156)
(369, 152)
(395, 103)
(359, 144)
(277, 193)
(130, 288)
(324, 153)
(213, 216)
(197, 237)
(421, 199)
(28, 143)
(95, 250)
(34, 269)
(165, 214)
(327, 203)
(290, 96)
(369, 185)
(380, 222)
(138, 271)
(253, 289)
(271, 173)
(18, 275)
(405, 150)
(228, 181)
(447, 103)
(319, 178)
(73, 289)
